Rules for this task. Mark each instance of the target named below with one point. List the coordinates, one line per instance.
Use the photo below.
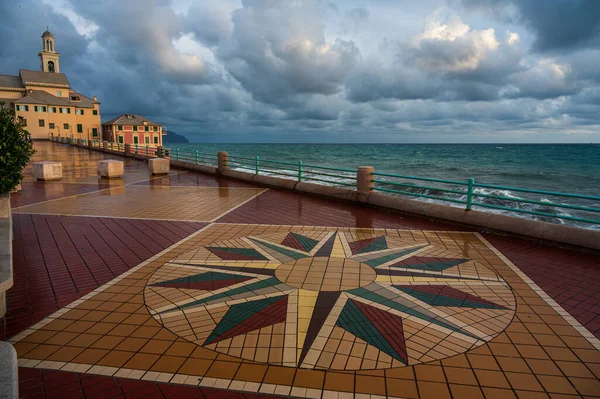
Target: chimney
(95, 98)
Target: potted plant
(16, 149)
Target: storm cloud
(314, 70)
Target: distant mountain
(174, 138)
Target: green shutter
(79, 128)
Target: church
(47, 103)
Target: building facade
(133, 129)
(46, 101)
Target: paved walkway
(194, 286)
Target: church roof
(43, 98)
(11, 82)
(47, 34)
(85, 102)
(131, 119)
(40, 78)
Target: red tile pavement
(34, 192)
(58, 259)
(38, 383)
(195, 179)
(571, 278)
(286, 207)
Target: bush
(16, 149)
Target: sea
(567, 168)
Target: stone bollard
(47, 170)
(160, 151)
(222, 161)
(127, 149)
(158, 166)
(111, 168)
(364, 185)
(105, 145)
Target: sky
(347, 71)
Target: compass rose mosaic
(330, 300)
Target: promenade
(191, 285)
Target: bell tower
(48, 56)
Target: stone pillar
(127, 149)
(223, 159)
(105, 145)
(160, 151)
(364, 185)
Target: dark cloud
(559, 25)
(289, 70)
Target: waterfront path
(190, 285)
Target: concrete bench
(158, 166)
(47, 170)
(111, 168)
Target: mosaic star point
(330, 300)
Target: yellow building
(133, 129)
(46, 101)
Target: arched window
(50, 66)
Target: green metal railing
(294, 170)
(194, 156)
(465, 193)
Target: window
(79, 112)
(23, 121)
(155, 128)
(79, 128)
(121, 139)
(135, 139)
(135, 128)
(52, 110)
(120, 127)
(95, 132)
(39, 108)
(147, 140)
(146, 128)
(75, 98)
(58, 93)
(155, 139)
(41, 123)
(65, 126)
(22, 107)
(51, 125)
(95, 112)
(65, 110)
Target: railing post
(299, 170)
(177, 154)
(118, 146)
(470, 194)
(222, 161)
(136, 149)
(147, 152)
(364, 179)
(196, 157)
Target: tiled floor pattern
(570, 278)
(57, 259)
(194, 180)
(290, 208)
(51, 384)
(112, 333)
(149, 202)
